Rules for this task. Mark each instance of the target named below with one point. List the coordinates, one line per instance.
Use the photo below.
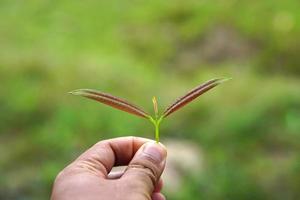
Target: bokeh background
(239, 141)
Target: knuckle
(147, 174)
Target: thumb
(146, 167)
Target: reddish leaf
(112, 101)
(191, 95)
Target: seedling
(124, 105)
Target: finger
(119, 174)
(116, 172)
(158, 186)
(101, 157)
(146, 167)
(158, 196)
(115, 175)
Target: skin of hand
(89, 177)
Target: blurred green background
(247, 131)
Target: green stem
(156, 123)
(156, 132)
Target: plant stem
(156, 123)
(157, 132)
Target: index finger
(113, 152)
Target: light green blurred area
(248, 128)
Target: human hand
(89, 177)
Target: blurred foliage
(249, 127)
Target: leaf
(191, 95)
(155, 107)
(112, 101)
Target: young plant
(124, 105)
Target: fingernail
(155, 151)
